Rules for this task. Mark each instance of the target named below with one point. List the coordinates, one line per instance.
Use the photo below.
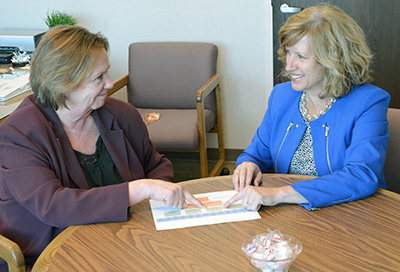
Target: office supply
(174, 218)
(25, 40)
(9, 105)
(5, 57)
(10, 88)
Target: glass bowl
(272, 251)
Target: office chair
(391, 168)
(178, 81)
(12, 254)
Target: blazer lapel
(71, 162)
(114, 140)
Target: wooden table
(363, 235)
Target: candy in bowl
(272, 251)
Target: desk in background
(11, 104)
(363, 235)
(7, 109)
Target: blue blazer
(349, 143)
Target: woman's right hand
(172, 194)
(245, 174)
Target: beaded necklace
(304, 110)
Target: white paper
(174, 218)
(9, 86)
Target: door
(381, 24)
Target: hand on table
(172, 194)
(246, 173)
(253, 197)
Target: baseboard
(231, 155)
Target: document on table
(174, 218)
(13, 87)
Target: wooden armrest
(119, 84)
(208, 88)
(12, 254)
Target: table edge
(51, 249)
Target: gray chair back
(167, 75)
(391, 169)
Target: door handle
(286, 9)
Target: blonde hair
(338, 43)
(64, 57)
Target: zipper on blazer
(279, 150)
(330, 169)
(327, 151)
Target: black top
(99, 168)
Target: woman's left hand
(246, 174)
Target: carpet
(187, 170)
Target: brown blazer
(42, 187)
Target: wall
(242, 29)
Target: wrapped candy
(272, 251)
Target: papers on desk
(174, 218)
(10, 88)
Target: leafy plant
(57, 17)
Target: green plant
(57, 17)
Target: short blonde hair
(64, 57)
(338, 44)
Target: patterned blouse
(303, 159)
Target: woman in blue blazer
(327, 121)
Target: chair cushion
(177, 129)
